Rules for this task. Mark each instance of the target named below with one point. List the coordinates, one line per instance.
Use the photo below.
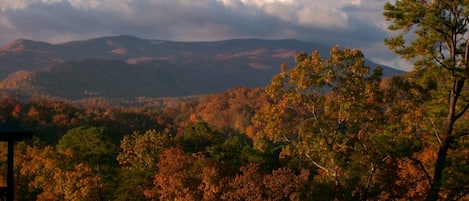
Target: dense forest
(327, 128)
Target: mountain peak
(25, 45)
(119, 38)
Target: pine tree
(434, 34)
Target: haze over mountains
(129, 67)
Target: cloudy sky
(352, 23)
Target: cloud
(302, 12)
(355, 23)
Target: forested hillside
(328, 127)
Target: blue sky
(351, 23)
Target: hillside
(129, 67)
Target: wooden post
(10, 185)
(11, 134)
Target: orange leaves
(284, 184)
(174, 180)
(49, 178)
(281, 184)
(210, 184)
(246, 186)
(411, 181)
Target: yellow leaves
(319, 107)
(283, 68)
(46, 171)
(140, 151)
(79, 183)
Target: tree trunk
(440, 163)
(432, 194)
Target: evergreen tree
(434, 34)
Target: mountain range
(130, 67)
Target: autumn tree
(435, 35)
(284, 184)
(245, 186)
(324, 110)
(45, 174)
(138, 156)
(140, 151)
(232, 109)
(252, 183)
(177, 177)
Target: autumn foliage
(328, 128)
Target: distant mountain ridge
(129, 67)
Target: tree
(138, 157)
(45, 174)
(434, 33)
(284, 184)
(88, 145)
(234, 152)
(177, 178)
(198, 137)
(245, 186)
(140, 151)
(93, 148)
(324, 111)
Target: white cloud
(320, 13)
(12, 4)
(5, 23)
(21, 4)
(84, 3)
(51, 1)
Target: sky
(348, 23)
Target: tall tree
(324, 111)
(434, 33)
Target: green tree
(234, 152)
(138, 157)
(140, 151)
(198, 137)
(434, 34)
(92, 147)
(88, 145)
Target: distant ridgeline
(126, 67)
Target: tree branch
(460, 134)
(462, 195)
(457, 116)
(309, 157)
(437, 135)
(429, 179)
